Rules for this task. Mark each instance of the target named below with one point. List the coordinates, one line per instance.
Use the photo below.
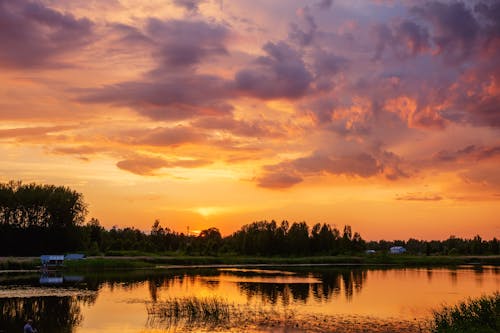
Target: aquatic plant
(212, 314)
(481, 315)
(193, 309)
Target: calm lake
(250, 299)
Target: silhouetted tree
(35, 218)
(210, 240)
(298, 238)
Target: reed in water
(192, 309)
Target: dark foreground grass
(193, 309)
(481, 315)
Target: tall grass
(481, 315)
(211, 312)
(191, 309)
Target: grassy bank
(142, 260)
(129, 262)
(481, 315)
(18, 263)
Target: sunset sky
(381, 114)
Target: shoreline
(99, 263)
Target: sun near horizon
(382, 115)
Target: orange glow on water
(403, 294)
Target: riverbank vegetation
(481, 315)
(40, 219)
(216, 314)
(193, 309)
(155, 261)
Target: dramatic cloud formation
(184, 43)
(173, 90)
(455, 28)
(405, 39)
(33, 35)
(472, 152)
(280, 74)
(175, 97)
(376, 103)
(360, 165)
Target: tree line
(39, 219)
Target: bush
(481, 315)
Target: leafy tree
(38, 218)
(494, 246)
(298, 238)
(210, 240)
(34, 205)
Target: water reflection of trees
(50, 314)
(331, 284)
(168, 280)
(272, 293)
(61, 314)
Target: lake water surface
(279, 299)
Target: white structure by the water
(397, 250)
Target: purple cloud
(303, 36)
(189, 5)
(361, 164)
(173, 97)
(280, 74)
(455, 29)
(173, 90)
(33, 35)
(185, 43)
(490, 13)
(405, 39)
(471, 153)
(324, 4)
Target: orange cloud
(359, 109)
(147, 165)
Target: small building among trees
(52, 260)
(397, 250)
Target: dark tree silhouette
(37, 219)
